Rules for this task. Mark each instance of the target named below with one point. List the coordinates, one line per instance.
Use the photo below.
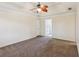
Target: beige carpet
(40, 47)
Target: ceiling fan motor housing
(38, 5)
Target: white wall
(63, 26)
(77, 27)
(16, 27)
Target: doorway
(48, 27)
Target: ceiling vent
(69, 8)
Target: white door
(48, 27)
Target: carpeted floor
(40, 47)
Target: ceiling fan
(40, 8)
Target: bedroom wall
(16, 27)
(77, 27)
(64, 26)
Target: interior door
(48, 27)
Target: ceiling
(24, 7)
(59, 7)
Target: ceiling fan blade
(37, 5)
(33, 9)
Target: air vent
(69, 8)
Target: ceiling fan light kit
(41, 8)
(44, 8)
